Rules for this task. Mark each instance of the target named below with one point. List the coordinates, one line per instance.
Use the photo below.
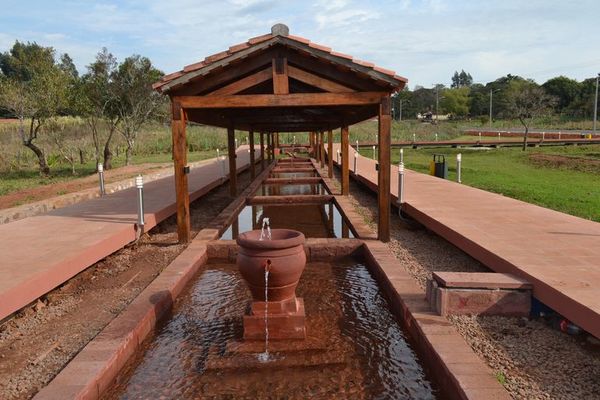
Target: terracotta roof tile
(239, 47)
(299, 39)
(400, 78)
(158, 84)
(320, 47)
(384, 71)
(363, 63)
(193, 67)
(216, 57)
(172, 76)
(342, 55)
(260, 39)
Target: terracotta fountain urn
(274, 300)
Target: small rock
(39, 305)
(593, 340)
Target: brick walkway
(558, 253)
(40, 253)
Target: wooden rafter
(317, 81)
(243, 84)
(281, 84)
(288, 100)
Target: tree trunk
(128, 152)
(81, 157)
(44, 168)
(526, 134)
(108, 155)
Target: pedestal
(285, 320)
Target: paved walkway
(40, 253)
(558, 253)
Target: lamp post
(101, 178)
(596, 103)
(139, 184)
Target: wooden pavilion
(280, 83)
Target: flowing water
(264, 356)
(355, 348)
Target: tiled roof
(263, 38)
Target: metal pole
(357, 149)
(491, 92)
(401, 156)
(437, 102)
(596, 103)
(400, 187)
(458, 167)
(355, 157)
(101, 178)
(139, 183)
(400, 113)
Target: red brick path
(40, 253)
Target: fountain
(271, 263)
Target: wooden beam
(283, 100)
(269, 147)
(383, 180)
(315, 199)
(244, 83)
(181, 179)
(262, 151)
(232, 164)
(345, 162)
(281, 84)
(252, 161)
(330, 153)
(317, 81)
(292, 181)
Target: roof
(279, 36)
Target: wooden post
(269, 147)
(322, 149)
(232, 164)
(262, 151)
(310, 143)
(330, 153)
(345, 162)
(277, 140)
(383, 179)
(251, 142)
(181, 180)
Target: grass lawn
(509, 171)
(11, 181)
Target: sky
(422, 40)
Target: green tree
(33, 87)
(566, 91)
(456, 101)
(462, 79)
(97, 103)
(525, 101)
(136, 101)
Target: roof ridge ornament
(280, 30)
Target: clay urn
(282, 255)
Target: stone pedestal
(285, 320)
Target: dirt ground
(532, 359)
(40, 340)
(59, 188)
(573, 163)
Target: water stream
(264, 356)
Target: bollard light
(414, 137)
(338, 156)
(480, 136)
(436, 137)
(499, 133)
(357, 146)
(458, 167)
(101, 179)
(374, 155)
(543, 135)
(400, 187)
(218, 154)
(355, 158)
(139, 184)
(236, 143)
(401, 156)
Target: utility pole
(437, 102)
(400, 113)
(596, 103)
(491, 94)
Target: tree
(564, 89)
(34, 87)
(525, 101)
(136, 101)
(97, 103)
(462, 79)
(456, 101)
